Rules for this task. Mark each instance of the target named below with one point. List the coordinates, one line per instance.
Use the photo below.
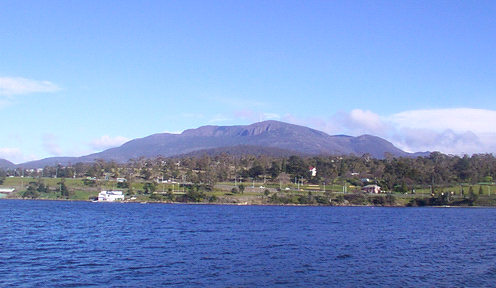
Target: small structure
(7, 190)
(313, 171)
(110, 196)
(374, 189)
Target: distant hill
(268, 136)
(52, 161)
(6, 164)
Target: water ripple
(79, 244)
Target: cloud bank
(10, 86)
(451, 131)
(458, 119)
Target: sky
(79, 77)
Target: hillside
(278, 136)
(6, 164)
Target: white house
(110, 196)
(313, 171)
(372, 189)
(7, 190)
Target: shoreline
(247, 204)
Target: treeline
(393, 174)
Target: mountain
(6, 164)
(241, 150)
(52, 161)
(268, 136)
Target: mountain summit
(269, 135)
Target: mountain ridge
(266, 135)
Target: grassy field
(254, 192)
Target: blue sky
(78, 77)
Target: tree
(64, 192)
(241, 188)
(31, 191)
(89, 182)
(472, 196)
(274, 170)
(149, 187)
(471, 190)
(146, 173)
(256, 170)
(41, 187)
(296, 166)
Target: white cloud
(457, 119)
(447, 141)
(270, 116)
(363, 122)
(452, 131)
(106, 142)
(10, 86)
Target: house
(7, 190)
(372, 189)
(110, 196)
(313, 171)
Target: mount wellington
(268, 137)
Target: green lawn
(79, 191)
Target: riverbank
(335, 199)
(228, 194)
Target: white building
(110, 196)
(313, 171)
(372, 189)
(7, 190)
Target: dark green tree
(149, 187)
(241, 188)
(41, 187)
(256, 171)
(274, 170)
(472, 196)
(64, 192)
(31, 191)
(297, 167)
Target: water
(79, 244)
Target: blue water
(78, 244)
